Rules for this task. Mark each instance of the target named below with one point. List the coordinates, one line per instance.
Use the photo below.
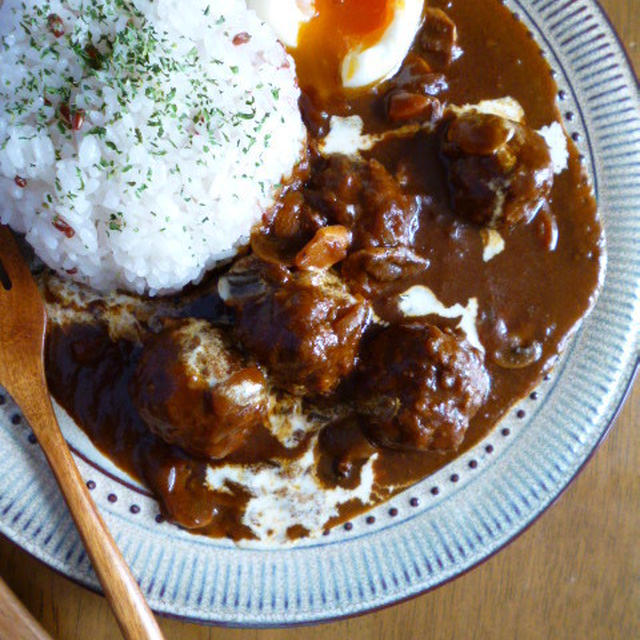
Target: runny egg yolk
(338, 27)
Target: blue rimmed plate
(454, 519)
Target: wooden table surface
(574, 574)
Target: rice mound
(141, 140)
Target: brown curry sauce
(540, 295)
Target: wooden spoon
(15, 621)
(23, 321)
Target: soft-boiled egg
(344, 44)
(365, 65)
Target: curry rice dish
(418, 270)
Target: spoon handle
(15, 620)
(129, 605)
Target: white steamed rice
(190, 123)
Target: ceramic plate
(454, 519)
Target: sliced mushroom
(519, 356)
(368, 271)
(250, 278)
(327, 247)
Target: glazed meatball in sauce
(304, 328)
(499, 172)
(191, 389)
(419, 387)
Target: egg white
(285, 17)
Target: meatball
(365, 198)
(191, 389)
(419, 387)
(499, 172)
(304, 326)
